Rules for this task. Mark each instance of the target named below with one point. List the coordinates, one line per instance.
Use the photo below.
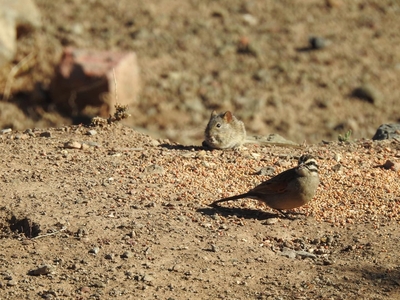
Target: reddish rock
(84, 82)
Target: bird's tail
(237, 197)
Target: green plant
(345, 137)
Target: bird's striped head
(307, 162)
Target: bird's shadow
(245, 213)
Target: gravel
(147, 212)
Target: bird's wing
(275, 185)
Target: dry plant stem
(115, 83)
(13, 73)
(48, 234)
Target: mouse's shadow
(203, 146)
(183, 147)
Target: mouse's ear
(228, 116)
(213, 114)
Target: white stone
(15, 14)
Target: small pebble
(201, 154)
(154, 143)
(208, 164)
(336, 167)
(265, 171)
(85, 289)
(337, 157)
(109, 256)
(328, 262)
(72, 145)
(45, 134)
(349, 248)
(214, 248)
(12, 283)
(154, 169)
(91, 132)
(250, 19)
(289, 253)
(98, 284)
(147, 278)
(4, 131)
(92, 144)
(126, 254)
(21, 136)
(271, 221)
(94, 250)
(317, 42)
(305, 254)
(181, 218)
(369, 94)
(42, 270)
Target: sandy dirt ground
(120, 214)
(127, 217)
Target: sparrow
(287, 190)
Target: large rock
(84, 82)
(387, 131)
(21, 15)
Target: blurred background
(306, 69)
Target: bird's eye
(218, 125)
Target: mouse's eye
(218, 125)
